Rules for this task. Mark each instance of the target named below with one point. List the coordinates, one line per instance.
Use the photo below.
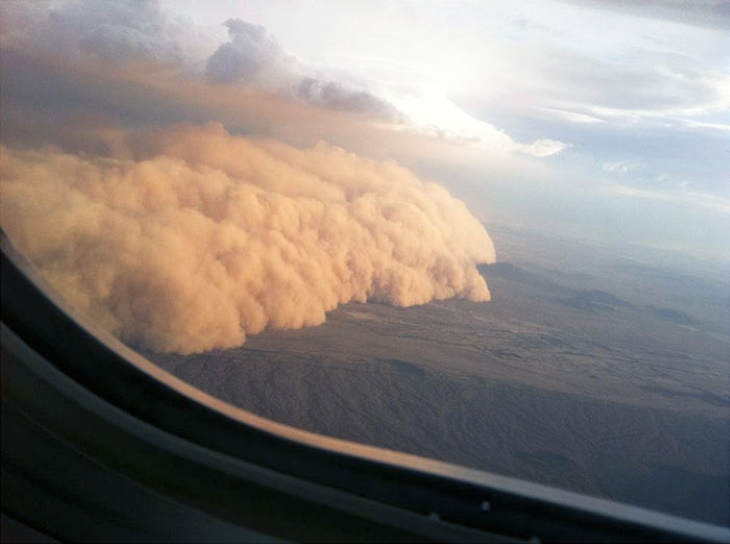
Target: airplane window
(486, 234)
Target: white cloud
(432, 113)
(571, 116)
(691, 123)
(687, 198)
(621, 168)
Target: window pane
(491, 235)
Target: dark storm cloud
(111, 31)
(705, 13)
(39, 97)
(250, 51)
(118, 33)
(254, 58)
(336, 96)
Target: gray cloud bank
(250, 51)
(705, 13)
(110, 31)
(188, 239)
(122, 33)
(253, 57)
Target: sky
(604, 120)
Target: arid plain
(598, 370)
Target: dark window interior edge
(99, 444)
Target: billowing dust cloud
(204, 238)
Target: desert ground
(599, 370)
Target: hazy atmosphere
(490, 233)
